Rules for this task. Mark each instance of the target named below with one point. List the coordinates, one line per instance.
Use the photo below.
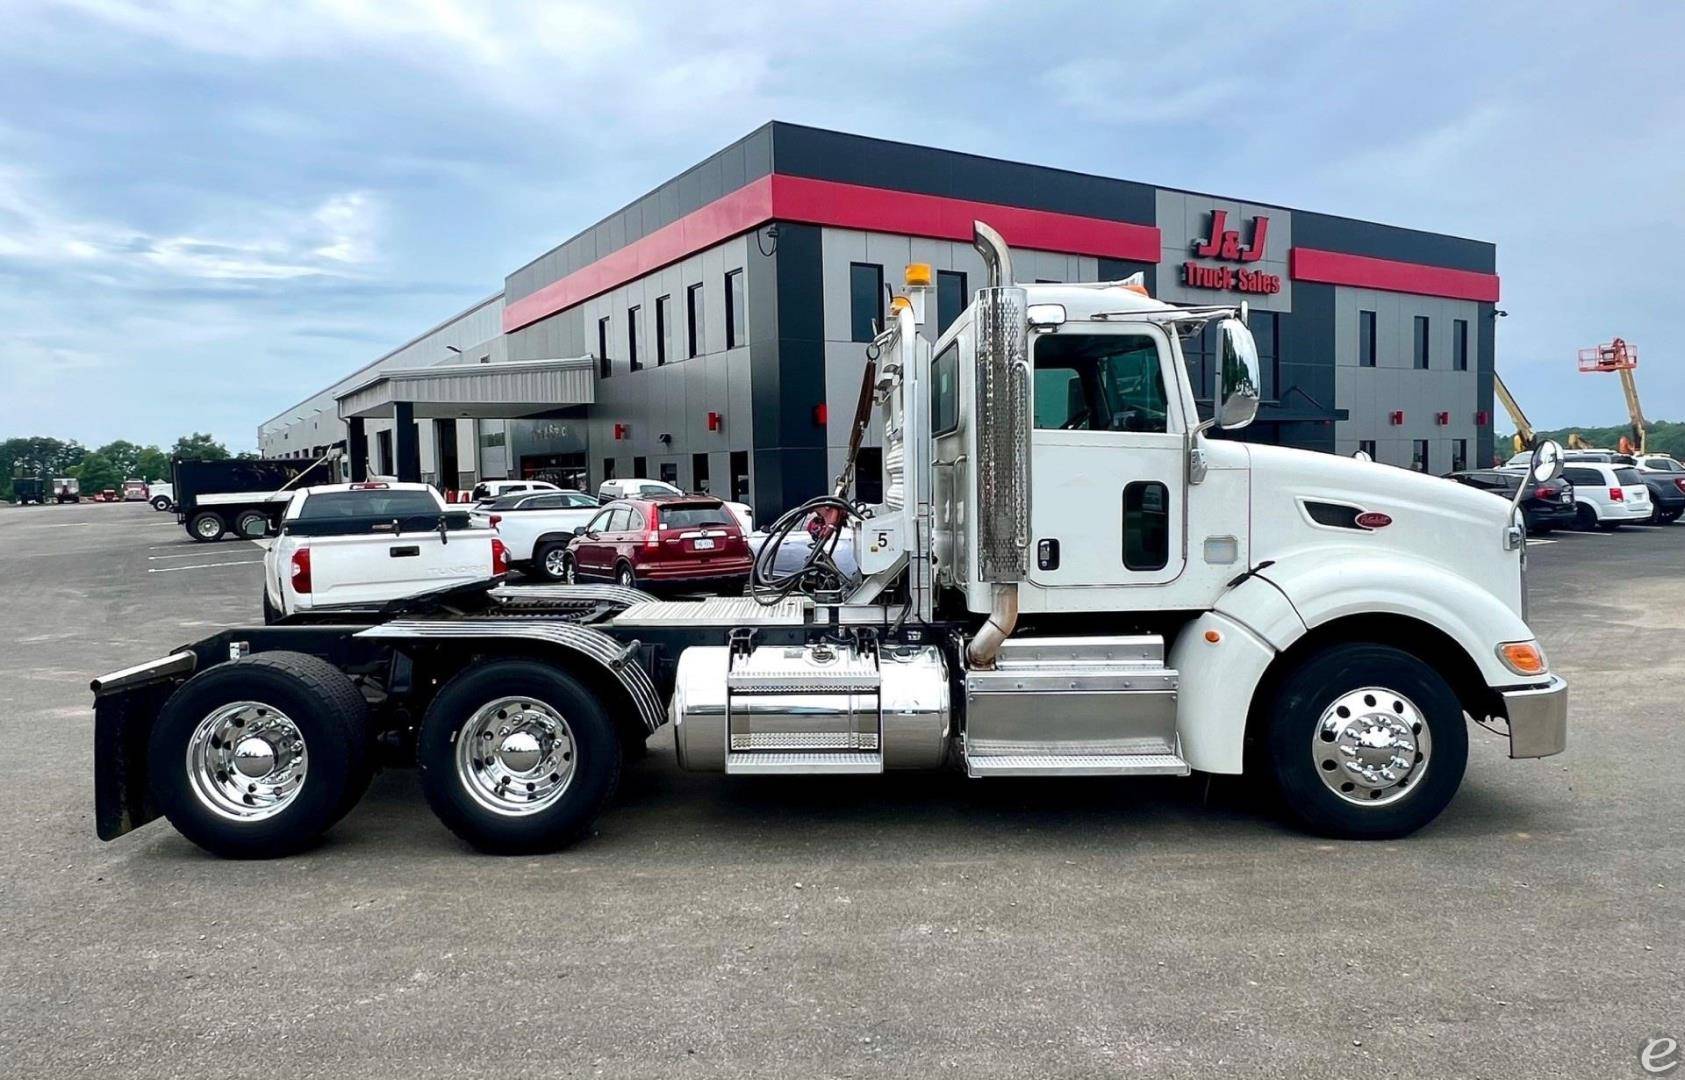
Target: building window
(1421, 342)
(662, 322)
(694, 328)
(640, 468)
(740, 475)
(1459, 455)
(950, 298)
(1460, 344)
(670, 473)
(1419, 458)
(699, 473)
(605, 367)
(632, 338)
(736, 310)
(1366, 339)
(865, 300)
(1367, 446)
(608, 469)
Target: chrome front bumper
(1538, 719)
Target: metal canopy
(506, 391)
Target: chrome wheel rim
(208, 527)
(556, 563)
(515, 756)
(247, 761)
(625, 576)
(1371, 746)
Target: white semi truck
(1068, 576)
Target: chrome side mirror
(1238, 372)
(1547, 462)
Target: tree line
(106, 467)
(1660, 437)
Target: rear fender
(602, 659)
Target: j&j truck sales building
(710, 333)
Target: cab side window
(1100, 382)
(945, 391)
(600, 523)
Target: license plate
(704, 544)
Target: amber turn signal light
(1523, 657)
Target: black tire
(625, 576)
(1314, 686)
(544, 554)
(1585, 517)
(200, 525)
(244, 522)
(161, 504)
(596, 758)
(329, 714)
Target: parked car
(487, 490)
(1601, 457)
(1665, 478)
(360, 545)
(672, 540)
(163, 495)
(537, 527)
(1607, 496)
(1546, 507)
(134, 491)
(609, 490)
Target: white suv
(487, 490)
(1607, 496)
(611, 490)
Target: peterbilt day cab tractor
(1068, 576)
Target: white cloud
(335, 238)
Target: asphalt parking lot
(921, 925)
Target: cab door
(1106, 458)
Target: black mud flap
(122, 725)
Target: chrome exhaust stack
(1002, 418)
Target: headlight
(1523, 657)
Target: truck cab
(1070, 573)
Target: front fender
(1325, 585)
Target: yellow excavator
(1525, 437)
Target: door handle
(408, 551)
(1047, 554)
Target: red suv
(678, 540)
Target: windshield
(383, 504)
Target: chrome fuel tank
(811, 700)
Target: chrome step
(1075, 765)
(796, 763)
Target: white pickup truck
(356, 546)
(536, 526)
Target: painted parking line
(1532, 541)
(183, 555)
(201, 566)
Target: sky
(211, 210)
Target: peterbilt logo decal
(1372, 519)
(1224, 244)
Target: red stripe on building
(848, 206)
(1338, 268)
(740, 211)
(853, 206)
